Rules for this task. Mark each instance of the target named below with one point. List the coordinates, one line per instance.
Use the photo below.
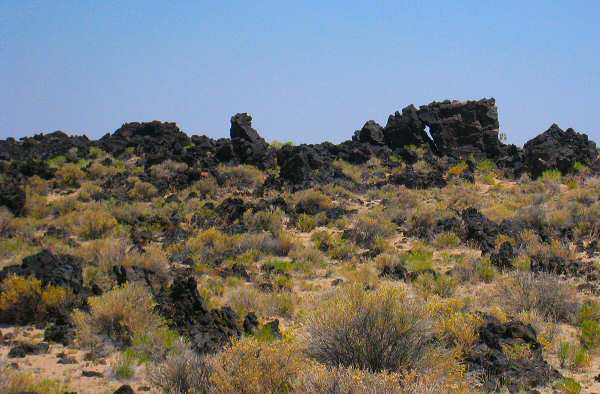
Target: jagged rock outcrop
(406, 129)
(510, 354)
(186, 311)
(462, 129)
(50, 269)
(558, 149)
(12, 196)
(158, 141)
(44, 146)
(371, 133)
(419, 179)
(480, 229)
(248, 145)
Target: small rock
(91, 374)
(124, 389)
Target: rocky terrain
(423, 256)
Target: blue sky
(307, 71)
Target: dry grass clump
(380, 330)
(369, 226)
(25, 300)
(142, 191)
(206, 187)
(70, 174)
(12, 382)
(168, 169)
(182, 372)
(250, 366)
(125, 316)
(319, 379)
(212, 246)
(242, 176)
(270, 220)
(92, 222)
(153, 258)
(552, 298)
(350, 171)
(311, 201)
(97, 171)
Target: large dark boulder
(158, 141)
(50, 269)
(406, 129)
(248, 145)
(461, 129)
(558, 149)
(413, 179)
(44, 146)
(480, 229)
(371, 133)
(12, 197)
(186, 311)
(510, 354)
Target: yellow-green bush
(311, 201)
(250, 366)
(121, 315)
(25, 300)
(347, 330)
(242, 176)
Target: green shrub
(124, 365)
(589, 310)
(568, 386)
(590, 334)
(446, 240)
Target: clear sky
(307, 71)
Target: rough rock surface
(12, 197)
(157, 140)
(406, 128)
(461, 129)
(51, 269)
(491, 356)
(558, 149)
(248, 145)
(480, 229)
(418, 179)
(43, 146)
(371, 133)
(184, 308)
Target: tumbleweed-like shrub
(376, 331)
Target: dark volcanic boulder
(158, 141)
(406, 128)
(419, 179)
(58, 270)
(371, 133)
(558, 149)
(248, 145)
(303, 164)
(504, 258)
(480, 229)
(510, 354)
(461, 129)
(186, 311)
(44, 146)
(12, 197)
